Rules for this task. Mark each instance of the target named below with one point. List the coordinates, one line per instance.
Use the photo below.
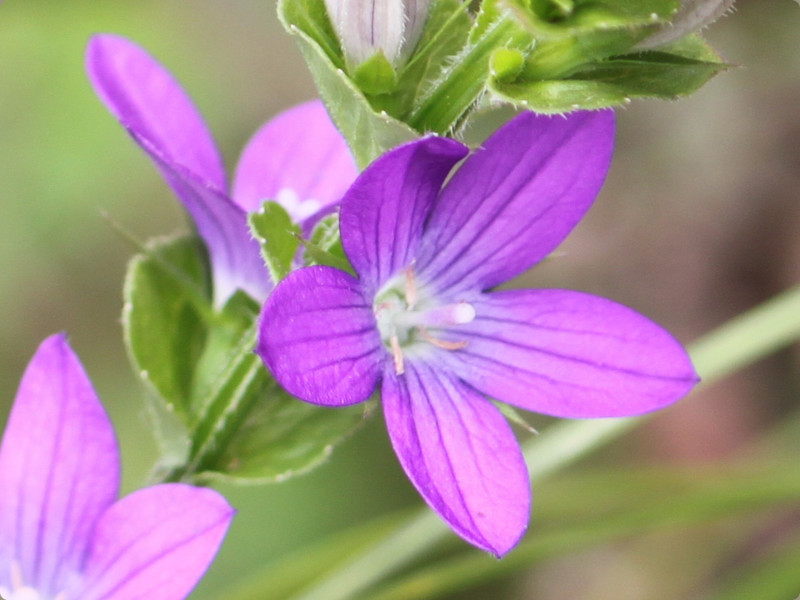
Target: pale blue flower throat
(406, 315)
(20, 591)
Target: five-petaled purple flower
(298, 159)
(427, 244)
(63, 534)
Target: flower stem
(739, 342)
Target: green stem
(732, 495)
(227, 408)
(743, 340)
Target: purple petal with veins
(569, 354)
(461, 455)
(322, 337)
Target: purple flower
(62, 534)
(298, 159)
(418, 321)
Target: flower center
(20, 591)
(408, 319)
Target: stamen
(16, 575)
(445, 345)
(397, 353)
(411, 288)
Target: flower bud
(366, 27)
(692, 16)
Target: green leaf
(245, 428)
(369, 132)
(167, 304)
(283, 437)
(222, 347)
(277, 235)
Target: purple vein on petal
(319, 337)
(570, 354)
(460, 454)
(147, 99)
(515, 199)
(299, 150)
(235, 255)
(58, 467)
(384, 211)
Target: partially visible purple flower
(298, 159)
(418, 321)
(366, 27)
(63, 534)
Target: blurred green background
(699, 221)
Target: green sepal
(277, 235)
(325, 235)
(514, 416)
(334, 257)
(369, 132)
(447, 103)
(376, 75)
(670, 72)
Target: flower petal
(569, 354)
(299, 154)
(155, 544)
(385, 209)
(515, 199)
(59, 469)
(319, 337)
(461, 455)
(235, 256)
(146, 99)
